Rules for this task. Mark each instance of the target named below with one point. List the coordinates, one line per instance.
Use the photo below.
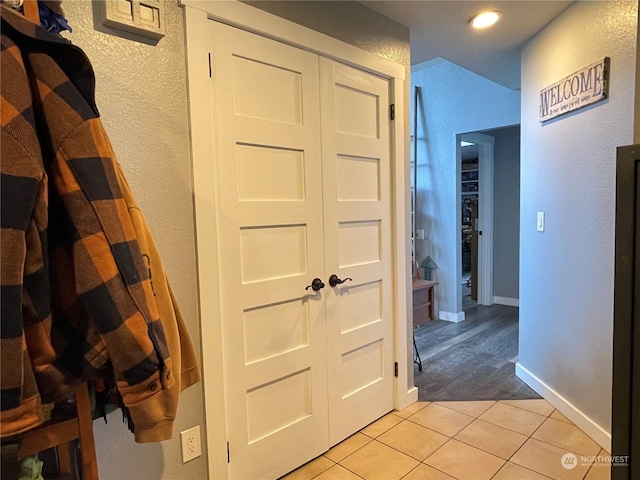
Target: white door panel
(357, 228)
(271, 239)
(303, 191)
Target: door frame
(486, 145)
(197, 14)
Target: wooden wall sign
(585, 87)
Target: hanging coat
(183, 355)
(75, 293)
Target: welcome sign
(585, 87)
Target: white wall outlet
(420, 234)
(540, 222)
(190, 444)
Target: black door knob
(316, 285)
(335, 280)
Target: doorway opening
(469, 192)
(475, 161)
(475, 358)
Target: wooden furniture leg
(30, 10)
(62, 435)
(85, 433)
(64, 457)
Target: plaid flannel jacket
(74, 290)
(184, 359)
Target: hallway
(471, 360)
(485, 440)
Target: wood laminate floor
(471, 360)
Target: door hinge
(228, 454)
(392, 111)
(395, 369)
(209, 64)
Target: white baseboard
(451, 317)
(582, 421)
(511, 302)
(408, 399)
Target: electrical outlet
(190, 444)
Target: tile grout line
(472, 446)
(440, 402)
(397, 450)
(320, 473)
(371, 439)
(530, 437)
(557, 446)
(434, 452)
(562, 448)
(351, 471)
(413, 458)
(525, 400)
(511, 429)
(480, 448)
(525, 468)
(375, 439)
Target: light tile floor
(502, 440)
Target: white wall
(455, 101)
(142, 96)
(568, 171)
(506, 213)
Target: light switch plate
(540, 222)
(420, 234)
(142, 17)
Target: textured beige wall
(350, 22)
(568, 168)
(141, 94)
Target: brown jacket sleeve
(183, 355)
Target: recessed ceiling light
(485, 19)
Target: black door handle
(335, 280)
(316, 285)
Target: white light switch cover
(145, 18)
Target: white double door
(303, 181)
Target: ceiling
(441, 29)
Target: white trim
(200, 119)
(511, 302)
(451, 317)
(580, 419)
(198, 13)
(410, 398)
(401, 225)
(485, 216)
(263, 23)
